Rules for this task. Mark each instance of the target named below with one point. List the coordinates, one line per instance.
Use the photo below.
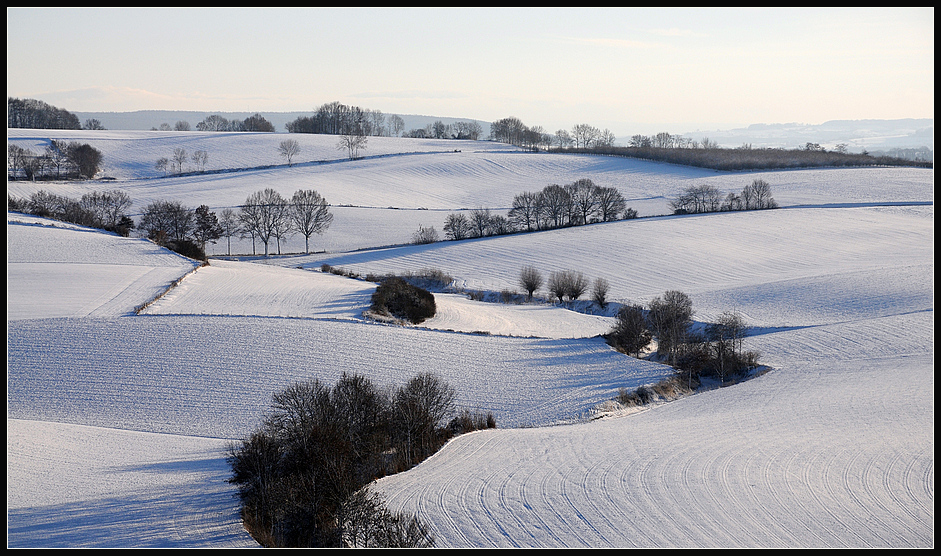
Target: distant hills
(857, 135)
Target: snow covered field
(117, 422)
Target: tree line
(582, 136)
(555, 206)
(697, 199)
(59, 160)
(266, 216)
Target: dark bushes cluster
(105, 210)
(301, 476)
(397, 298)
(716, 351)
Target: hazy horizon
(629, 70)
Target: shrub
(397, 298)
(630, 333)
(567, 283)
(467, 421)
(187, 248)
(599, 292)
(531, 280)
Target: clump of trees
(215, 122)
(302, 476)
(583, 136)
(440, 130)
(556, 206)
(175, 226)
(59, 160)
(335, 118)
(398, 298)
(716, 351)
(266, 215)
(698, 199)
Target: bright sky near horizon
(630, 70)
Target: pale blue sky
(630, 70)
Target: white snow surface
(118, 422)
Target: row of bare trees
(556, 206)
(703, 198)
(175, 163)
(582, 136)
(266, 215)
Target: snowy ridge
(118, 422)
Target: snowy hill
(118, 422)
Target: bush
(396, 297)
(630, 333)
(187, 248)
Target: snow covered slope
(117, 423)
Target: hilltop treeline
(36, 114)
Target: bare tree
(289, 148)
(457, 227)
(265, 213)
(757, 196)
(610, 203)
(200, 159)
(228, 221)
(310, 214)
(480, 222)
(425, 235)
(396, 125)
(584, 200)
(599, 292)
(352, 140)
(179, 157)
(524, 214)
(555, 204)
(670, 318)
(162, 165)
(531, 280)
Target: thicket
(715, 351)
(303, 476)
(398, 298)
(106, 210)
